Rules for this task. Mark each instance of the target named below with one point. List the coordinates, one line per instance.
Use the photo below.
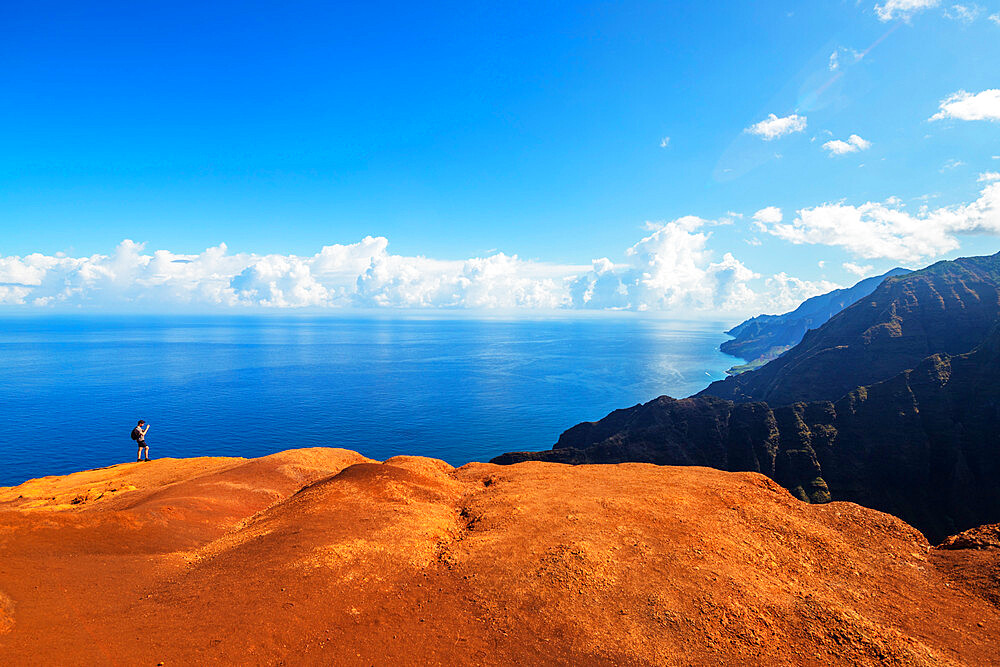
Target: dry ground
(321, 556)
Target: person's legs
(138, 456)
(145, 451)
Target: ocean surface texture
(71, 389)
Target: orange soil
(321, 556)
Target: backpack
(136, 434)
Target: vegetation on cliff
(946, 308)
(766, 337)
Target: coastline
(458, 390)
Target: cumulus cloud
(988, 176)
(963, 105)
(785, 292)
(773, 127)
(903, 9)
(853, 144)
(280, 282)
(858, 270)
(886, 230)
(13, 294)
(671, 269)
(351, 275)
(768, 215)
(995, 18)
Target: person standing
(139, 435)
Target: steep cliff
(946, 308)
(923, 445)
(766, 336)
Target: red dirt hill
(322, 556)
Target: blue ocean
(72, 388)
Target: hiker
(139, 435)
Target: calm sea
(72, 388)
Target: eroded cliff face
(323, 556)
(766, 336)
(946, 308)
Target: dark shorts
(141, 443)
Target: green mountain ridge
(947, 307)
(765, 337)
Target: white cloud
(769, 215)
(853, 144)
(988, 176)
(786, 292)
(859, 271)
(497, 281)
(13, 294)
(664, 142)
(885, 230)
(963, 105)
(995, 18)
(903, 9)
(963, 13)
(773, 127)
(673, 269)
(670, 269)
(281, 282)
(26, 271)
(358, 274)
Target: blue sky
(471, 131)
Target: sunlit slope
(322, 556)
(948, 308)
